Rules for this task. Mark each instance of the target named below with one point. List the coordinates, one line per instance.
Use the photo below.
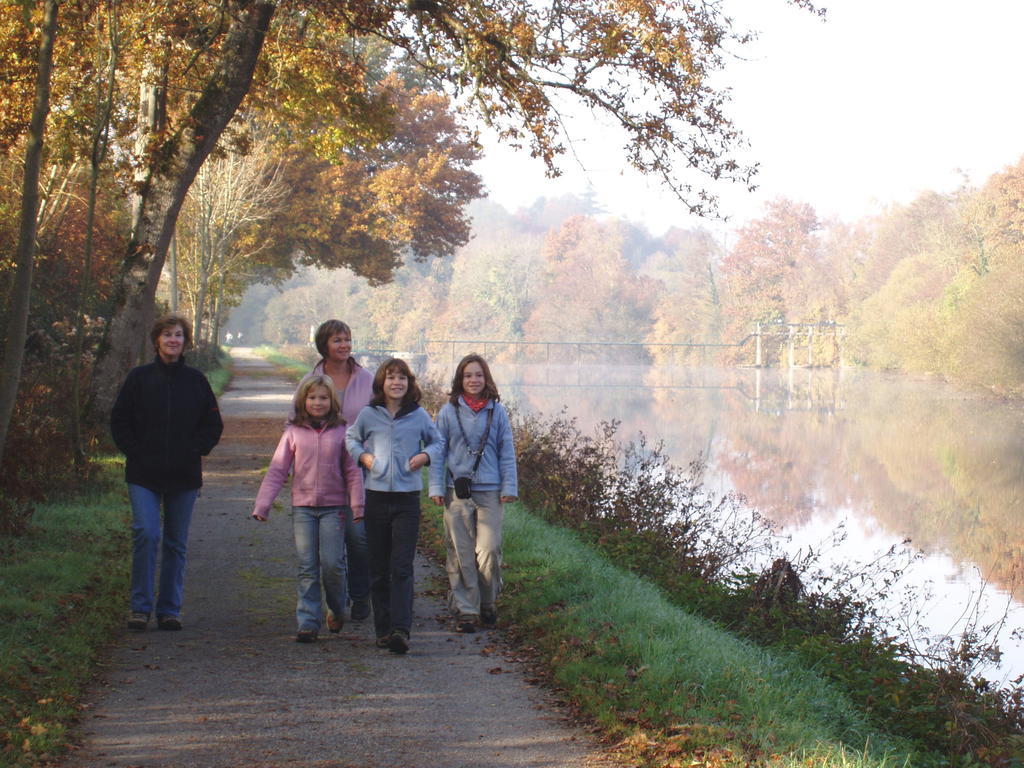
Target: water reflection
(892, 458)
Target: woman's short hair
(490, 390)
(327, 329)
(164, 322)
(395, 365)
(302, 417)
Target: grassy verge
(215, 362)
(293, 367)
(669, 687)
(59, 601)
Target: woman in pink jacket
(354, 387)
(327, 485)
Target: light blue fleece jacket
(393, 441)
(497, 470)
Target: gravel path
(234, 689)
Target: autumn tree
(233, 194)
(368, 206)
(495, 279)
(588, 291)
(688, 308)
(208, 55)
(765, 272)
(17, 324)
(645, 65)
(988, 335)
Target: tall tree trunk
(218, 310)
(17, 328)
(174, 273)
(180, 156)
(100, 142)
(200, 308)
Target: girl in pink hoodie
(327, 485)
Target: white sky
(880, 101)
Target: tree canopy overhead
(645, 64)
(184, 72)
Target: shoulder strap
(479, 452)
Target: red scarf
(476, 404)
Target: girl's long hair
(394, 364)
(490, 390)
(302, 417)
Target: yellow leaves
(33, 729)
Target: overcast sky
(880, 101)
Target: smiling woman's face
(339, 347)
(171, 343)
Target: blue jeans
(146, 539)
(320, 545)
(358, 558)
(392, 528)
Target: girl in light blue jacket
(480, 478)
(392, 439)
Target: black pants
(392, 529)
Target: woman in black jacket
(164, 420)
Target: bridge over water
(796, 342)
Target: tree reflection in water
(888, 457)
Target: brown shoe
(465, 624)
(334, 623)
(137, 622)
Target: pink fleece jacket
(324, 473)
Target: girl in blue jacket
(393, 438)
(480, 479)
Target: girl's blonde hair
(302, 417)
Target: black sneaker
(488, 617)
(383, 641)
(360, 609)
(172, 623)
(399, 641)
(137, 622)
(465, 624)
(305, 636)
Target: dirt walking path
(234, 689)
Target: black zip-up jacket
(164, 420)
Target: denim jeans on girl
(146, 529)
(320, 545)
(358, 558)
(392, 528)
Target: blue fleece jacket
(497, 470)
(393, 441)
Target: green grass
(296, 369)
(62, 590)
(219, 379)
(664, 683)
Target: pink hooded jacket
(324, 473)
(355, 396)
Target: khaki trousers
(473, 533)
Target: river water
(888, 458)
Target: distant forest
(934, 286)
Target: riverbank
(662, 685)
